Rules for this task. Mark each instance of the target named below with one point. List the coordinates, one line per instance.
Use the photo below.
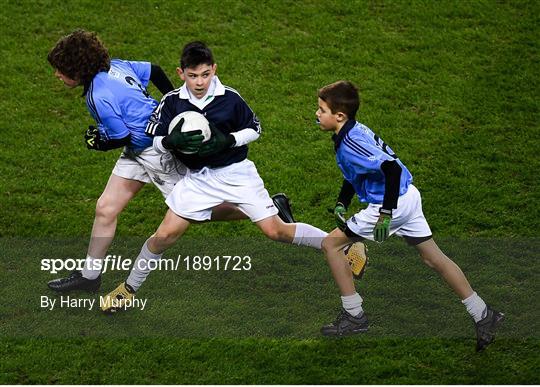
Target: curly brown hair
(80, 56)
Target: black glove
(184, 142)
(91, 138)
(218, 142)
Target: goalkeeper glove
(218, 142)
(339, 216)
(91, 137)
(177, 140)
(382, 227)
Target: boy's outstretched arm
(344, 200)
(346, 193)
(392, 175)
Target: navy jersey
(359, 154)
(120, 104)
(224, 108)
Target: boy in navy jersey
(218, 172)
(375, 173)
(116, 98)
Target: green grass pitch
(452, 86)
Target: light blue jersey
(359, 155)
(120, 104)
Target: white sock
(476, 307)
(352, 304)
(307, 235)
(92, 267)
(142, 267)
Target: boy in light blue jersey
(374, 172)
(120, 105)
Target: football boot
(346, 325)
(75, 281)
(485, 328)
(356, 256)
(281, 201)
(116, 300)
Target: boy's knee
(431, 255)
(163, 239)
(275, 233)
(277, 230)
(335, 241)
(328, 245)
(272, 234)
(436, 261)
(105, 208)
(428, 261)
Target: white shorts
(199, 191)
(407, 219)
(149, 166)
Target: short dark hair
(194, 54)
(341, 96)
(80, 56)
